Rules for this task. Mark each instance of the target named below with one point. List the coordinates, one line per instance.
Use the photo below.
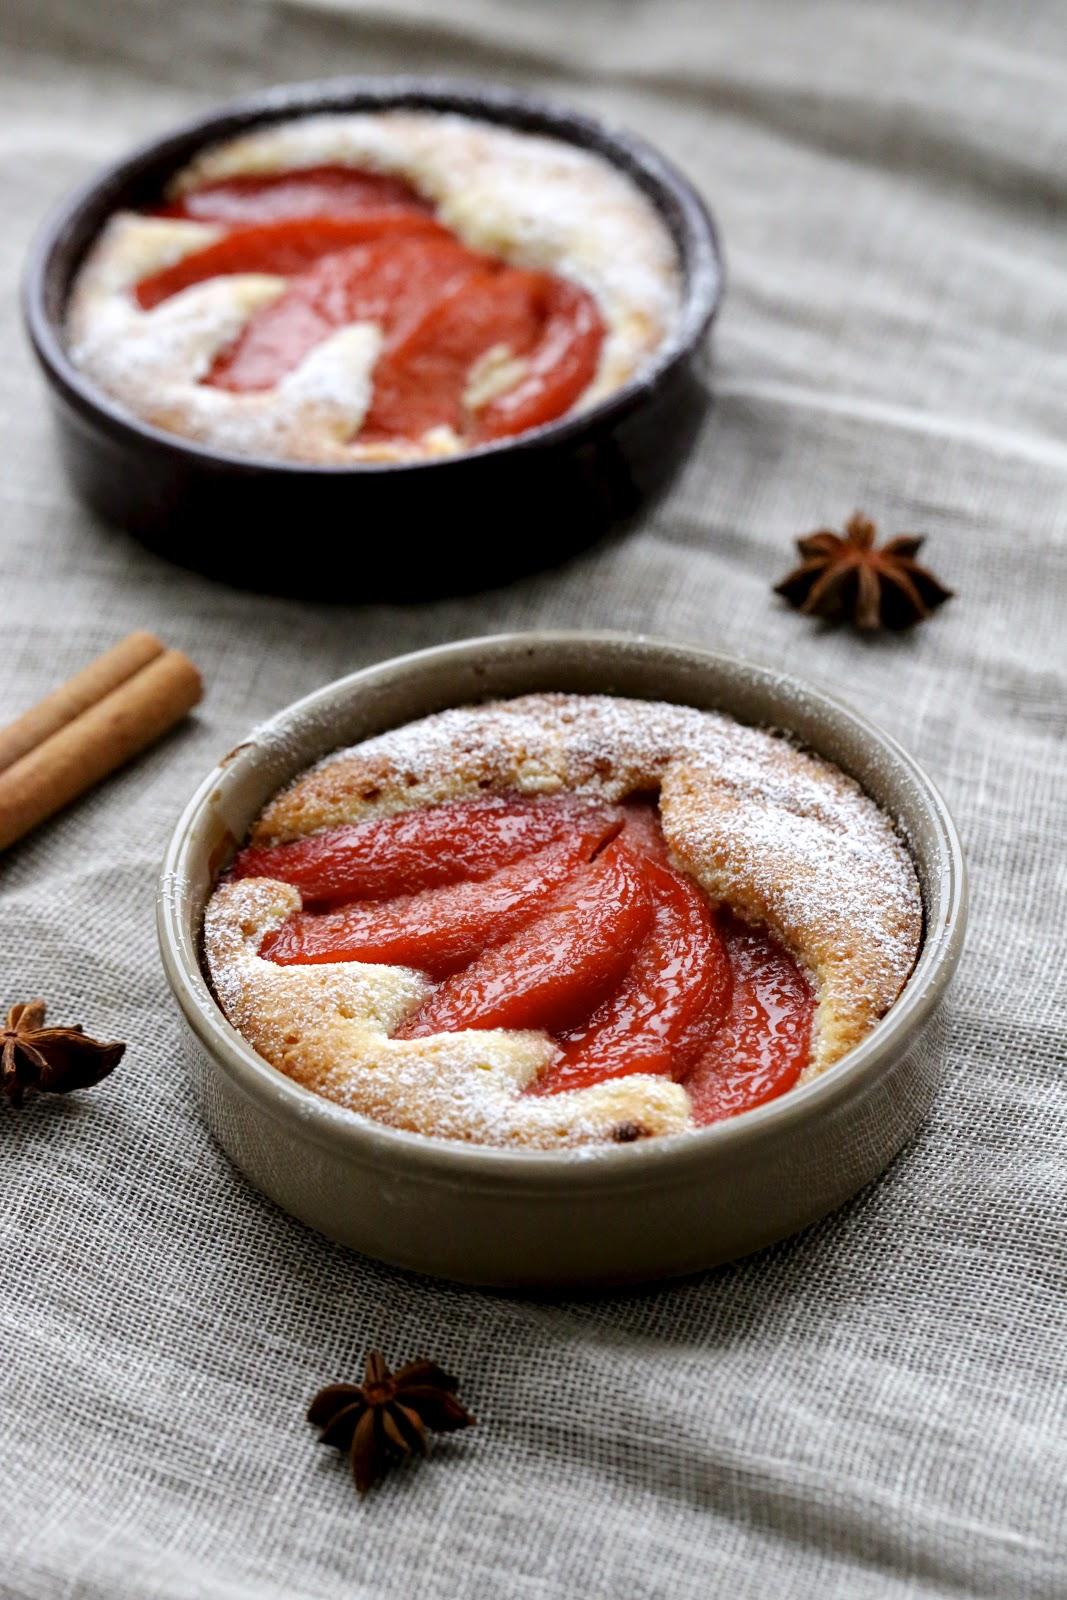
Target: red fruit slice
(680, 976)
(420, 383)
(416, 850)
(307, 192)
(391, 282)
(560, 368)
(284, 248)
(643, 831)
(557, 968)
(554, 325)
(765, 1042)
(441, 930)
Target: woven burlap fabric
(878, 1408)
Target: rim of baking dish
(623, 1165)
(676, 201)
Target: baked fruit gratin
(563, 920)
(375, 287)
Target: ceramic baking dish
(460, 521)
(592, 1216)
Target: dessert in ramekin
(605, 1210)
(562, 293)
(561, 919)
(375, 286)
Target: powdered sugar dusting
(784, 838)
(530, 200)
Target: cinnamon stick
(86, 687)
(96, 742)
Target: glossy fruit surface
(560, 915)
(559, 966)
(440, 930)
(679, 978)
(469, 343)
(765, 1042)
(419, 849)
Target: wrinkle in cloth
(877, 1408)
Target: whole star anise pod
(385, 1418)
(844, 576)
(56, 1060)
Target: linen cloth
(877, 1408)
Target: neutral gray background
(878, 1408)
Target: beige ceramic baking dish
(588, 1216)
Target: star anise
(385, 1418)
(56, 1060)
(844, 576)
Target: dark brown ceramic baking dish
(456, 523)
